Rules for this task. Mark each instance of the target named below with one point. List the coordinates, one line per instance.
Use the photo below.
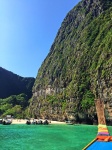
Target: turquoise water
(46, 137)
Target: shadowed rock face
(12, 84)
(78, 67)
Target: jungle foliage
(15, 92)
(15, 105)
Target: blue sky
(27, 31)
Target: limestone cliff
(78, 68)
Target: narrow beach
(23, 121)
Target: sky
(27, 31)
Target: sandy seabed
(23, 121)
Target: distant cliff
(12, 84)
(78, 68)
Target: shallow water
(46, 137)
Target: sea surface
(46, 137)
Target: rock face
(12, 84)
(78, 68)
